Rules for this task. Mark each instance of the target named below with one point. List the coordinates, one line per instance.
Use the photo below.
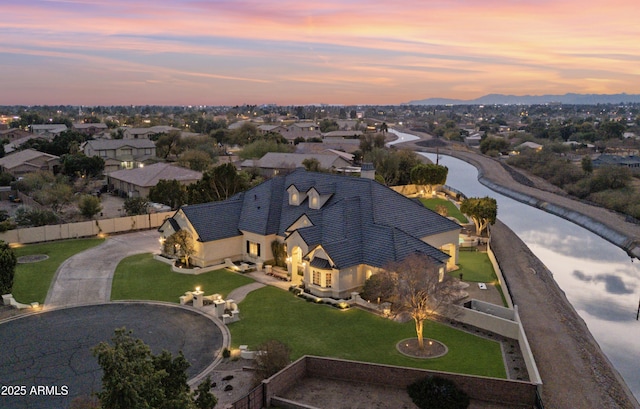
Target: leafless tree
(423, 290)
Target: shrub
(226, 353)
(28, 217)
(7, 225)
(434, 392)
(580, 189)
(379, 287)
(273, 356)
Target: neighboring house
(271, 128)
(274, 163)
(346, 124)
(89, 129)
(529, 145)
(615, 160)
(121, 153)
(473, 139)
(340, 144)
(343, 134)
(13, 134)
(147, 133)
(16, 143)
(48, 130)
(27, 161)
(306, 130)
(137, 182)
(337, 230)
(303, 126)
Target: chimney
(367, 171)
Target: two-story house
(121, 153)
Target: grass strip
(33, 280)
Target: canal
(599, 278)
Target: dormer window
(295, 197)
(316, 200)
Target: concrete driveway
(87, 276)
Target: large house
(89, 129)
(274, 163)
(337, 230)
(27, 161)
(48, 130)
(139, 181)
(146, 133)
(121, 153)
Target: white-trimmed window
(327, 282)
(316, 277)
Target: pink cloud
(412, 47)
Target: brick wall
(502, 391)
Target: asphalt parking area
(50, 353)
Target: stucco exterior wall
(447, 241)
(265, 246)
(215, 252)
(294, 240)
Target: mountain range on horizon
(501, 99)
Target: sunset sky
(228, 52)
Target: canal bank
(607, 224)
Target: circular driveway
(50, 353)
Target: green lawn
(475, 267)
(308, 328)
(318, 329)
(32, 280)
(452, 209)
(140, 277)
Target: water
(598, 278)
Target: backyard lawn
(32, 280)
(475, 267)
(140, 277)
(452, 209)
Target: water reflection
(564, 239)
(598, 277)
(612, 283)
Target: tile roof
(363, 222)
(102, 144)
(215, 220)
(24, 156)
(150, 175)
(277, 160)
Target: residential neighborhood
(325, 203)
